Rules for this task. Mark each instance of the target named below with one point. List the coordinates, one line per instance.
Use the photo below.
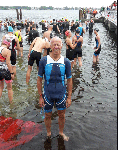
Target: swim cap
(6, 42)
(10, 29)
(78, 30)
(76, 19)
(18, 27)
(96, 29)
(67, 32)
(80, 21)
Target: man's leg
(48, 123)
(14, 70)
(61, 121)
(10, 92)
(28, 74)
(1, 87)
(80, 61)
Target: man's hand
(41, 102)
(68, 102)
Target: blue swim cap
(78, 30)
(10, 29)
(80, 21)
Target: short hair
(57, 38)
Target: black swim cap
(78, 30)
(18, 27)
(96, 29)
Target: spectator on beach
(54, 67)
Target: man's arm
(17, 42)
(69, 91)
(31, 46)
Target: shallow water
(91, 120)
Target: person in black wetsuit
(78, 48)
(91, 26)
(33, 34)
(56, 28)
(70, 47)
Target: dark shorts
(34, 55)
(70, 54)
(96, 53)
(21, 45)
(78, 52)
(49, 103)
(13, 57)
(5, 74)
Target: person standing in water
(70, 47)
(54, 67)
(98, 46)
(78, 48)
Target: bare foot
(65, 138)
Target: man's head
(34, 26)
(56, 45)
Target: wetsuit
(12, 48)
(55, 28)
(98, 51)
(54, 86)
(78, 50)
(32, 35)
(70, 53)
(4, 72)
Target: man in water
(54, 67)
(13, 42)
(6, 71)
(19, 36)
(48, 35)
(33, 33)
(35, 51)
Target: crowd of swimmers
(13, 41)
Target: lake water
(91, 121)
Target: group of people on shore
(52, 66)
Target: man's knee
(61, 113)
(48, 115)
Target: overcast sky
(57, 3)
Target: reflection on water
(91, 120)
(96, 73)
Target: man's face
(56, 47)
